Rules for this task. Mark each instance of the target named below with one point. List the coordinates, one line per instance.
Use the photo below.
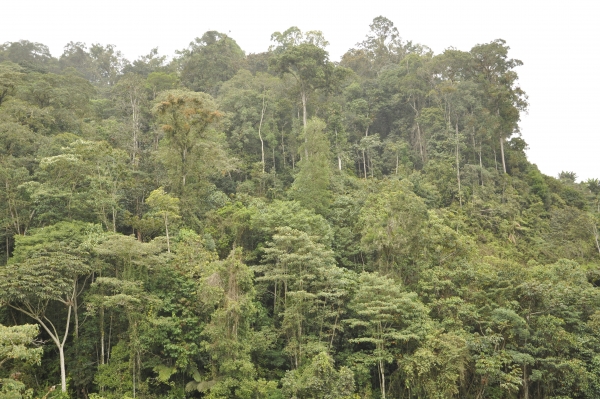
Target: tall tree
(251, 104)
(305, 284)
(192, 144)
(383, 44)
(302, 56)
(130, 94)
(209, 61)
(31, 55)
(10, 77)
(385, 315)
(311, 185)
(392, 220)
(165, 207)
(505, 99)
(41, 281)
(108, 63)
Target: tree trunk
(304, 123)
(109, 339)
(480, 165)
(76, 313)
(135, 126)
(420, 138)
(595, 233)
(474, 146)
(167, 233)
(422, 150)
(333, 330)
(501, 144)
(275, 298)
(370, 162)
(63, 374)
(480, 391)
(283, 148)
(102, 356)
(382, 376)
(364, 158)
(60, 345)
(495, 159)
(458, 166)
(525, 383)
(502, 154)
(28, 310)
(364, 163)
(304, 99)
(262, 144)
(338, 152)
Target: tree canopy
(279, 225)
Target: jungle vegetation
(280, 225)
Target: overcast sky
(557, 41)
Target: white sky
(557, 41)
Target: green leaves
(209, 61)
(385, 315)
(42, 277)
(391, 220)
(311, 185)
(10, 77)
(405, 262)
(387, 320)
(16, 346)
(192, 148)
(319, 379)
(163, 204)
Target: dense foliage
(278, 225)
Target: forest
(218, 224)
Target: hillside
(279, 225)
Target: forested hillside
(279, 225)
